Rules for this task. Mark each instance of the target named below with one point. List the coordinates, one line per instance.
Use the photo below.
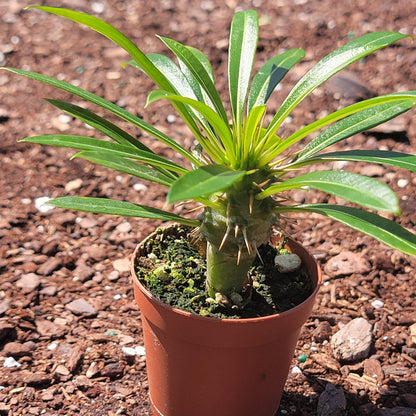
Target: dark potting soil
(174, 270)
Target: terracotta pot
(200, 366)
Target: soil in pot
(173, 269)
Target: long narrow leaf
(124, 165)
(186, 55)
(114, 207)
(99, 123)
(269, 76)
(92, 144)
(120, 112)
(345, 112)
(329, 66)
(242, 50)
(384, 157)
(352, 187)
(121, 40)
(219, 126)
(382, 229)
(358, 122)
(203, 181)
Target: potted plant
(238, 174)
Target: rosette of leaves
(238, 170)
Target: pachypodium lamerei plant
(237, 171)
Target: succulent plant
(241, 168)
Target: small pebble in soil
(130, 351)
(10, 362)
(41, 204)
(287, 263)
(377, 304)
(296, 370)
(402, 183)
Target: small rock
(296, 370)
(377, 304)
(72, 185)
(332, 402)
(113, 370)
(75, 359)
(83, 273)
(402, 183)
(49, 291)
(82, 381)
(16, 349)
(28, 282)
(41, 204)
(4, 306)
(95, 252)
(62, 370)
(122, 265)
(48, 328)
(412, 329)
(139, 350)
(322, 332)
(50, 265)
(93, 370)
(287, 263)
(80, 307)
(353, 341)
(87, 222)
(373, 369)
(346, 263)
(124, 227)
(10, 362)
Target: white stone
(402, 183)
(41, 204)
(138, 187)
(296, 370)
(287, 263)
(10, 362)
(377, 304)
(72, 185)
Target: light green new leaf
(382, 229)
(197, 69)
(124, 165)
(358, 122)
(384, 157)
(352, 187)
(269, 76)
(242, 49)
(329, 66)
(118, 111)
(203, 181)
(114, 207)
(221, 128)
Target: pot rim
(153, 299)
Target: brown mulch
(72, 357)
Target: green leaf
(114, 207)
(344, 112)
(197, 69)
(384, 157)
(91, 144)
(269, 76)
(203, 181)
(124, 165)
(221, 128)
(242, 50)
(382, 229)
(120, 112)
(358, 122)
(329, 66)
(121, 40)
(99, 123)
(352, 187)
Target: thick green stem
(224, 274)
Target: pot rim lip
(232, 321)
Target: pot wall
(223, 367)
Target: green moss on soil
(174, 271)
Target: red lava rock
(80, 307)
(346, 263)
(28, 282)
(16, 349)
(373, 369)
(49, 266)
(322, 332)
(113, 370)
